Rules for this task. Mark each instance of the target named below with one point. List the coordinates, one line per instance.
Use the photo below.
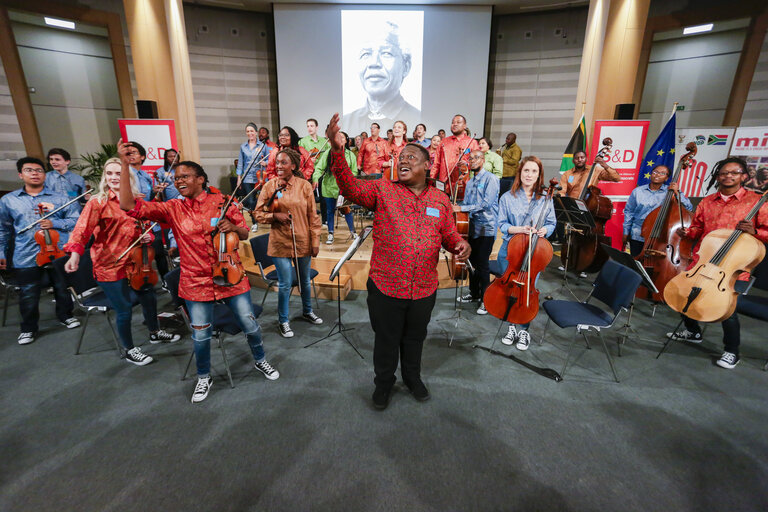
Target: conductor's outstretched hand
(331, 131)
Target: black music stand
(574, 215)
(628, 261)
(338, 327)
(458, 291)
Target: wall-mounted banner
(712, 145)
(751, 144)
(156, 135)
(626, 156)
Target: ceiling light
(54, 22)
(697, 29)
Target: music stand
(458, 292)
(575, 217)
(628, 261)
(338, 327)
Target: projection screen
(382, 63)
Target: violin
(48, 240)
(584, 252)
(140, 272)
(665, 253)
(706, 292)
(513, 296)
(227, 269)
(458, 269)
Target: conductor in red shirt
(411, 222)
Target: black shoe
(381, 398)
(419, 391)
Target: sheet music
(350, 252)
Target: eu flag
(661, 153)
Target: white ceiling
(499, 7)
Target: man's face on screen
(382, 68)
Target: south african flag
(717, 140)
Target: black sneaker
(419, 390)
(728, 360)
(312, 318)
(163, 337)
(137, 357)
(381, 397)
(267, 369)
(26, 338)
(202, 388)
(71, 323)
(686, 335)
(465, 299)
(285, 330)
(523, 340)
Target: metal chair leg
(265, 295)
(114, 336)
(669, 339)
(568, 356)
(226, 362)
(5, 304)
(82, 331)
(189, 362)
(314, 288)
(544, 334)
(608, 355)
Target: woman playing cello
(114, 232)
(518, 210)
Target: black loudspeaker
(147, 109)
(624, 111)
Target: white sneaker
(481, 310)
(254, 228)
(510, 337)
(267, 369)
(71, 323)
(561, 268)
(202, 388)
(523, 340)
(26, 338)
(583, 275)
(163, 337)
(285, 330)
(329, 241)
(465, 299)
(137, 357)
(728, 360)
(312, 318)
(686, 335)
(355, 236)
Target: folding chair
(9, 288)
(224, 321)
(263, 260)
(615, 286)
(87, 296)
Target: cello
(140, 272)
(48, 240)
(513, 297)
(706, 292)
(584, 253)
(665, 253)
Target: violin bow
(136, 242)
(295, 252)
(38, 221)
(461, 155)
(544, 372)
(165, 178)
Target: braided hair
(719, 165)
(295, 157)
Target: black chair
(615, 286)
(263, 260)
(9, 289)
(87, 296)
(224, 321)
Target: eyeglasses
(730, 173)
(32, 170)
(183, 177)
(659, 173)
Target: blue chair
(224, 321)
(495, 267)
(615, 286)
(755, 306)
(259, 246)
(87, 296)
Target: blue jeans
(330, 205)
(201, 319)
(30, 281)
(120, 297)
(503, 263)
(285, 275)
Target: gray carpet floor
(92, 432)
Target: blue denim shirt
(19, 209)
(164, 176)
(514, 211)
(67, 184)
(145, 187)
(641, 202)
(481, 200)
(261, 152)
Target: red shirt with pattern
(113, 232)
(307, 167)
(192, 221)
(449, 152)
(713, 212)
(408, 231)
(393, 150)
(372, 154)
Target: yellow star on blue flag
(657, 155)
(660, 152)
(649, 163)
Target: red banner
(626, 157)
(156, 135)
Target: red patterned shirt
(373, 153)
(713, 212)
(408, 231)
(449, 152)
(192, 221)
(113, 232)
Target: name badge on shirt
(72, 193)
(279, 194)
(433, 212)
(570, 178)
(214, 221)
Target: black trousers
(731, 331)
(161, 255)
(31, 281)
(481, 253)
(505, 184)
(635, 247)
(400, 326)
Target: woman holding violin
(113, 233)
(330, 189)
(287, 138)
(288, 204)
(518, 210)
(732, 207)
(394, 146)
(250, 150)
